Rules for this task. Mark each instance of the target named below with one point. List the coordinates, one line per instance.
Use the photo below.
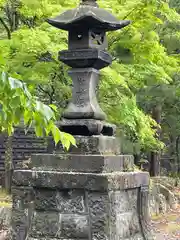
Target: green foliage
(145, 54)
(18, 103)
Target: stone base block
(103, 145)
(88, 181)
(83, 206)
(82, 163)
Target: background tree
(17, 104)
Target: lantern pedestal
(92, 195)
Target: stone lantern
(92, 192)
(86, 55)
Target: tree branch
(50, 95)
(130, 12)
(6, 28)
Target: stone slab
(123, 201)
(89, 181)
(82, 163)
(105, 145)
(98, 205)
(49, 238)
(22, 197)
(56, 225)
(85, 58)
(87, 127)
(69, 201)
(21, 211)
(128, 223)
(45, 224)
(75, 226)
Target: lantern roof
(87, 15)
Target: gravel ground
(167, 226)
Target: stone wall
(161, 197)
(23, 146)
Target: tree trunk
(137, 158)
(155, 156)
(8, 164)
(177, 154)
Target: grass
(5, 199)
(173, 227)
(5, 204)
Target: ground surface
(167, 226)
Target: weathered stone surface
(143, 213)
(84, 104)
(161, 196)
(105, 145)
(46, 224)
(89, 181)
(20, 224)
(87, 127)
(169, 196)
(127, 224)
(124, 213)
(137, 236)
(74, 226)
(21, 212)
(123, 201)
(69, 201)
(96, 17)
(106, 200)
(82, 163)
(49, 238)
(22, 197)
(56, 225)
(95, 58)
(5, 216)
(107, 215)
(98, 205)
(163, 206)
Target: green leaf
(4, 77)
(27, 116)
(53, 107)
(45, 110)
(70, 138)
(38, 131)
(56, 134)
(14, 83)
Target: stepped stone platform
(90, 196)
